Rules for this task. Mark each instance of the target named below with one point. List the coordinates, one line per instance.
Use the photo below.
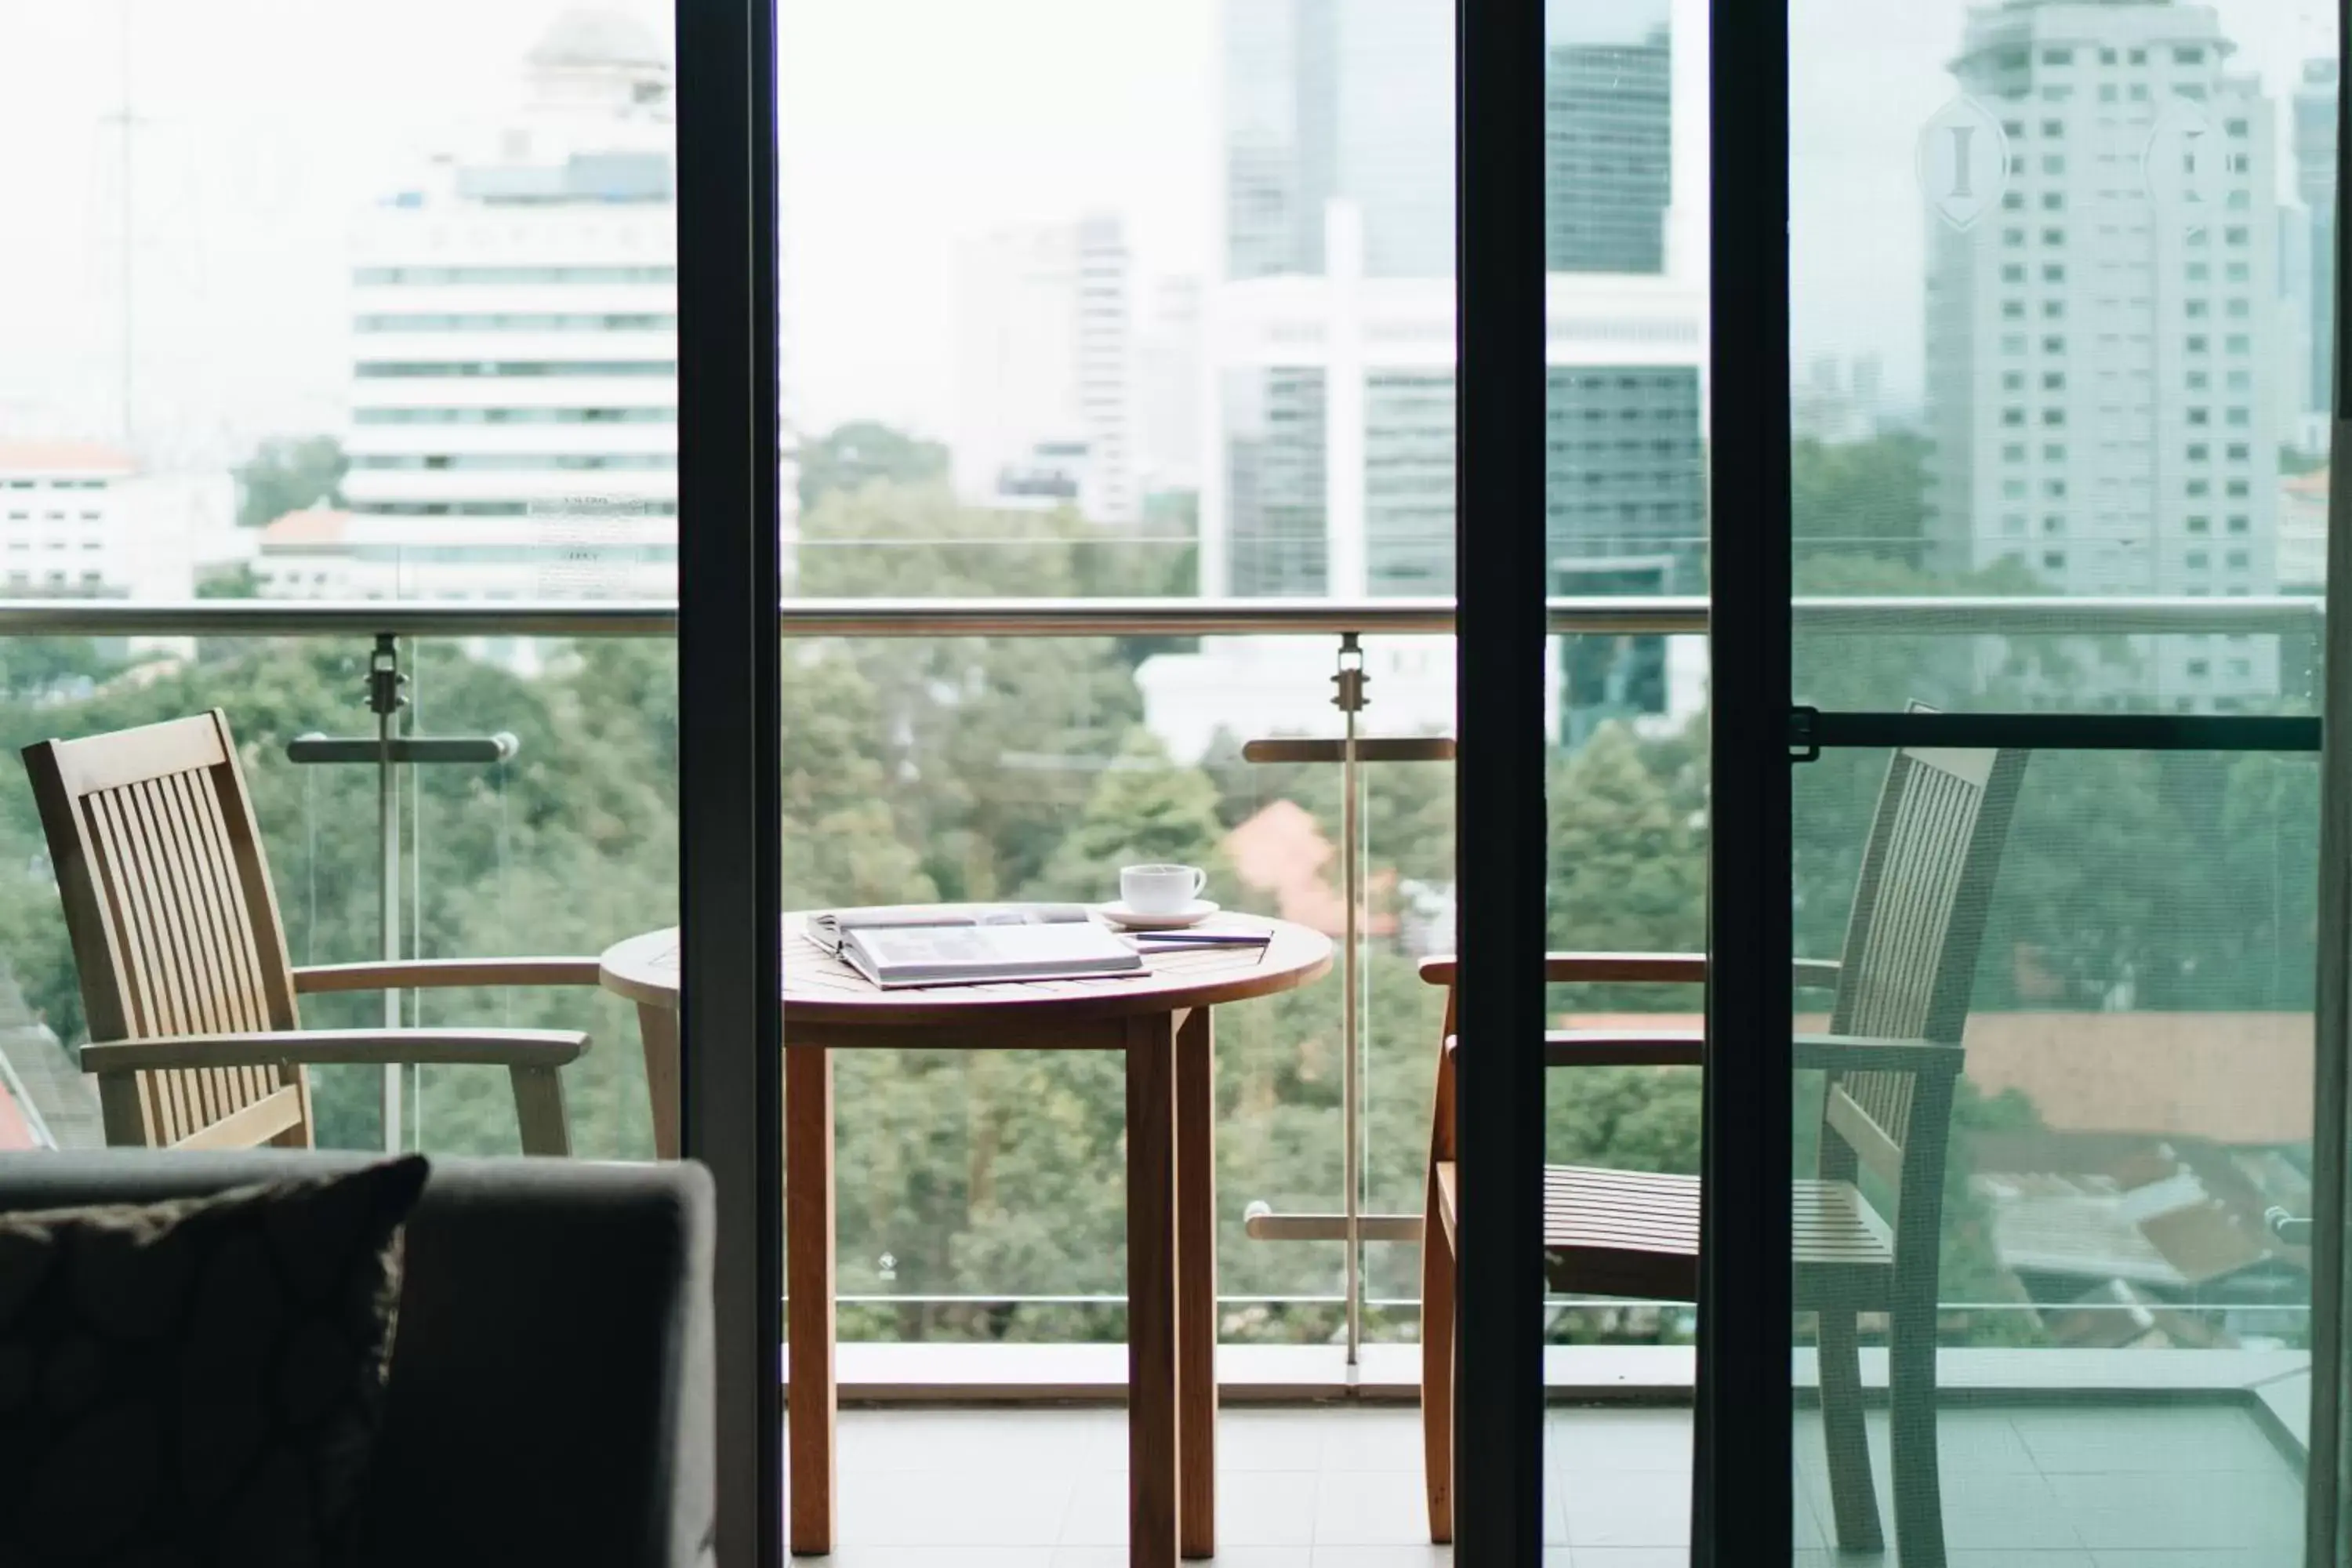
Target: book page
(1011, 950)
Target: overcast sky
(908, 125)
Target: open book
(973, 944)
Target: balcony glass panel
(2132, 1098)
(560, 849)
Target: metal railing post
(1349, 698)
(385, 698)
(389, 751)
(1351, 1227)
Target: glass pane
(2064, 339)
(297, 337)
(2060, 445)
(1627, 192)
(489, 857)
(295, 332)
(1170, 324)
(2109, 1357)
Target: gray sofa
(550, 1398)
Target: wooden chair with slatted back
(195, 1034)
(1867, 1225)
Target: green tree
(1143, 810)
(1628, 864)
(287, 473)
(850, 456)
(239, 581)
(988, 744)
(1859, 499)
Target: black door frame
(1743, 1458)
(729, 848)
(1499, 778)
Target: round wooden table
(1161, 1022)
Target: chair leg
(1437, 1369)
(1911, 1389)
(1851, 1492)
(538, 1107)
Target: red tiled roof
(1281, 850)
(64, 458)
(15, 1130)
(2234, 1078)
(312, 525)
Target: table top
(821, 988)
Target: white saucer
(1192, 914)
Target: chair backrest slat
(233, 986)
(174, 925)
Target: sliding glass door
(2050, 588)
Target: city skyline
(243, 314)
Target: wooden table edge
(936, 1007)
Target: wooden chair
(1891, 1055)
(190, 999)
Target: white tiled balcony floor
(2024, 1486)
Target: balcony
(2114, 1316)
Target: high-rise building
(514, 379)
(1839, 401)
(2315, 186)
(1608, 154)
(1046, 370)
(2100, 338)
(1338, 100)
(1329, 344)
(1331, 341)
(1168, 389)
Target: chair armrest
(1635, 969)
(1872, 1053)
(1816, 974)
(432, 973)
(1617, 1048)
(1622, 968)
(494, 1047)
(1625, 968)
(1620, 1047)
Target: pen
(1207, 939)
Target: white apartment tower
(1045, 395)
(79, 520)
(514, 388)
(2103, 319)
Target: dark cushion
(197, 1381)
(549, 1399)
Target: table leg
(808, 1247)
(1152, 1415)
(1196, 1282)
(658, 1030)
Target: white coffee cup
(1160, 890)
